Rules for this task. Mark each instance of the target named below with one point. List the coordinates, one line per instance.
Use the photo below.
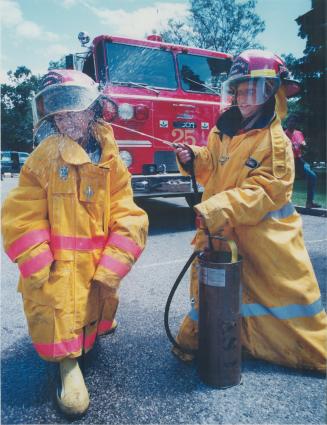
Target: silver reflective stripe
(286, 211)
(283, 313)
(286, 312)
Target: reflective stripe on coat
(67, 224)
(283, 318)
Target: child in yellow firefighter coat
(73, 228)
(247, 171)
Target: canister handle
(232, 246)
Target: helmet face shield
(248, 91)
(58, 98)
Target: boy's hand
(200, 222)
(222, 231)
(105, 291)
(183, 152)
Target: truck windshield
(202, 74)
(142, 65)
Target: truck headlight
(126, 157)
(125, 111)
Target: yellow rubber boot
(72, 397)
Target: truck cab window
(203, 74)
(88, 67)
(100, 63)
(142, 65)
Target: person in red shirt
(301, 166)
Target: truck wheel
(193, 199)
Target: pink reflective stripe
(104, 326)
(77, 243)
(63, 348)
(36, 263)
(89, 340)
(27, 241)
(124, 243)
(114, 265)
(59, 349)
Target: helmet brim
(60, 98)
(292, 88)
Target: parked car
(12, 161)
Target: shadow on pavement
(132, 379)
(24, 376)
(167, 217)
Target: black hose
(189, 167)
(194, 185)
(169, 300)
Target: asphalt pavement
(131, 375)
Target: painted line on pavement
(316, 241)
(161, 264)
(164, 263)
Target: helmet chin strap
(249, 121)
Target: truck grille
(168, 158)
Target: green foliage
(299, 196)
(311, 71)
(228, 26)
(177, 32)
(16, 111)
(59, 64)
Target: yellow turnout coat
(68, 225)
(249, 194)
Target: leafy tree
(229, 26)
(311, 71)
(16, 111)
(177, 32)
(59, 64)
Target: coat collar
(72, 153)
(104, 134)
(231, 122)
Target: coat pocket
(57, 291)
(94, 196)
(92, 184)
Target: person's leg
(72, 397)
(299, 168)
(55, 341)
(283, 316)
(311, 186)
(72, 394)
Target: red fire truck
(163, 92)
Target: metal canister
(219, 355)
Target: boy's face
(74, 124)
(246, 99)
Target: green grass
(300, 191)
